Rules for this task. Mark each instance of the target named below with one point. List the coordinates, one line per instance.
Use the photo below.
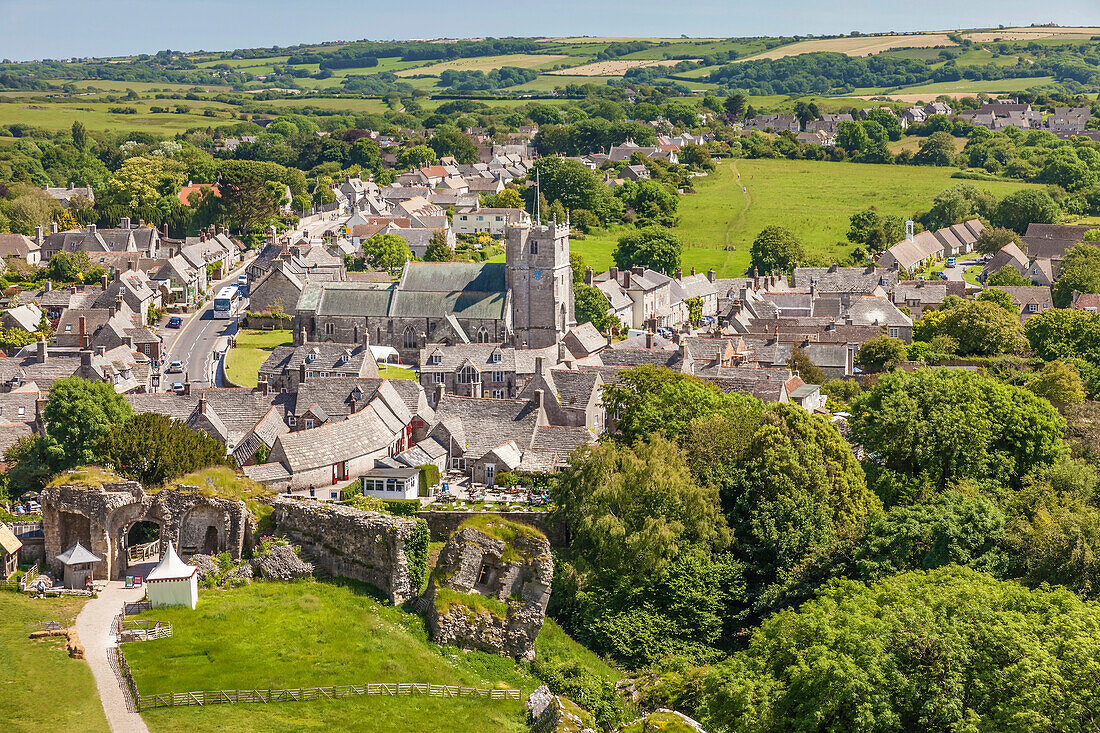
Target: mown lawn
(243, 361)
(324, 633)
(390, 371)
(41, 688)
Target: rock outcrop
(207, 565)
(490, 587)
(281, 563)
(547, 713)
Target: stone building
(100, 519)
(526, 301)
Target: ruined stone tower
(541, 282)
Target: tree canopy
(79, 415)
(153, 449)
(653, 247)
(776, 249)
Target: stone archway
(204, 529)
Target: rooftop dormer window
(495, 357)
(435, 359)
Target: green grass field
(320, 633)
(252, 348)
(94, 115)
(389, 371)
(814, 199)
(41, 688)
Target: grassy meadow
(320, 633)
(41, 688)
(814, 199)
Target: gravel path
(94, 626)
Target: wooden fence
(137, 553)
(223, 697)
(143, 629)
(24, 583)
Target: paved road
(196, 341)
(94, 627)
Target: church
(525, 302)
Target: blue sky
(32, 29)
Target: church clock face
(538, 274)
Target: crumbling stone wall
(99, 519)
(516, 573)
(351, 543)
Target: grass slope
(41, 688)
(252, 348)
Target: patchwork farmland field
(857, 46)
(617, 67)
(486, 63)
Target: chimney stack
(202, 403)
(103, 281)
(40, 357)
(680, 273)
(302, 336)
(49, 286)
(638, 270)
(53, 227)
(83, 332)
(539, 400)
(141, 223)
(38, 237)
(649, 340)
(100, 351)
(187, 383)
(130, 265)
(124, 223)
(613, 274)
(91, 230)
(539, 364)
(626, 279)
(439, 392)
(711, 275)
(301, 372)
(588, 276)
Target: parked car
(175, 367)
(175, 322)
(943, 275)
(950, 262)
(177, 387)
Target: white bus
(225, 302)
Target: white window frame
(893, 331)
(307, 423)
(439, 378)
(291, 421)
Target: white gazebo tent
(78, 563)
(173, 582)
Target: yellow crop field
(857, 46)
(617, 67)
(486, 63)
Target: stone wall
(100, 518)
(351, 543)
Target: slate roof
(238, 408)
(925, 292)
(478, 355)
(487, 423)
(339, 359)
(363, 433)
(588, 339)
(267, 473)
(1051, 241)
(627, 358)
(1010, 254)
(870, 310)
(836, 279)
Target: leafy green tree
(573, 185)
(366, 153)
(776, 249)
(1080, 273)
(652, 202)
(881, 353)
(68, 267)
(938, 149)
(878, 232)
(1059, 382)
(80, 135)
(1007, 276)
(153, 449)
(592, 306)
(992, 239)
(577, 267)
(1000, 297)
(451, 141)
(735, 105)
(981, 327)
(1029, 206)
(957, 204)
(801, 364)
(948, 649)
(509, 198)
(79, 415)
(32, 460)
(933, 427)
(805, 112)
(695, 309)
(245, 200)
(417, 156)
(438, 250)
(1064, 334)
(648, 550)
(654, 247)
(387, 252)
(852, 137)
(789, 484)
(650, 400)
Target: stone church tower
(541, 282)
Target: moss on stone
(507, 531)
(471, 604)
